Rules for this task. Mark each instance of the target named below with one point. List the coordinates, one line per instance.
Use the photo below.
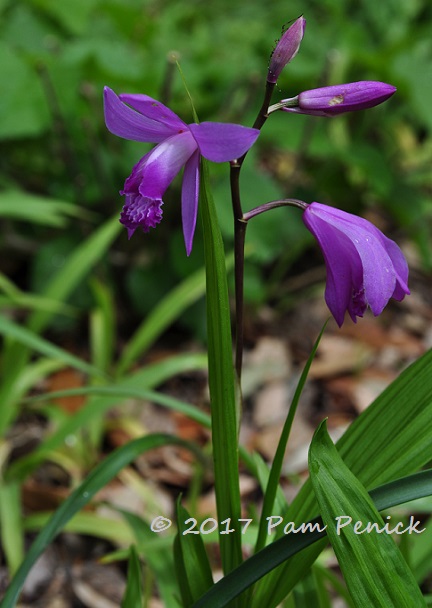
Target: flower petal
(400, 266)
(155, 110)
(379, 275)
(140, 212)
(125, 122)
(378, 267)
(164, 162)
(222, 142)
(190, 193)
(339, 255)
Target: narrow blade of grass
(96, 480)
(276, 468)
(133, 596)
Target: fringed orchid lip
(142, 118)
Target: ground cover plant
(114, 331)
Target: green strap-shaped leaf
(392, 438)
(221, 378)
(278, 552)
(374, 570)
(157, 553)
(133, 596)
(96, 480)
(192, 567)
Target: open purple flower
(141, 118)
(336, 99)
(364, 267)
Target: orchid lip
(142, 118)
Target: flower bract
(364, 267)
(141, 118)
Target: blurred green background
(57, 56)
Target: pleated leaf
(392, 438)
(289, 545)
(372, 565)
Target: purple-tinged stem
(240, 234)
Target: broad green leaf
(372, 565)
(133, 596)
(82, 495)
(390, 439)
(221, 378)
(289, 545)
(192, 567)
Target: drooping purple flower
(328, 101)
(364, 267)
(286, 49)
(141, 118)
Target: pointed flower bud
(329, 101)
(286, 49)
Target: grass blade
(192, 567)
(276, 468)
(96, 480)
(133, 596)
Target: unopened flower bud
(286, 49)
(328, 101)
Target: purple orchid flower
(141, 118)
(364, 267)
(329, 101)
(286, 49)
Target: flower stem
(240, 224)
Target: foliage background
(56, 58)
(61, 170)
